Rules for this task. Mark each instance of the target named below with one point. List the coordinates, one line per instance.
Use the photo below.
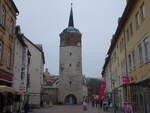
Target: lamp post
(113, 95)
(28, 75)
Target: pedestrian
(105, 105)
(26, 107)
(84, 106)
(101, 103)
(93, 103)
(1, 104)
(97, 103)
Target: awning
(6, 89)
(144, 80)
(6, 76)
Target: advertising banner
(102, 90)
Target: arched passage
(70, 99)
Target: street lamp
(28, 75)
(113, 94)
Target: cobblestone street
(67, 109)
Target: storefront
(9, 99)
(140, 95)
(143, 95)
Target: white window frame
(146, 48)
(140, 53)
(11, 26)
(133, 59)
(128, 34)
(131, 29)
(144, 56)
(138, 20)
(142, 12)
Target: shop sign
(128, 107)
(22, 85)
(125, 79)
(21, 91)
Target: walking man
(26, 107)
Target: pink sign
(128, 108)
(125, 79)
(102, 90)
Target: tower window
(70, 54)
(78, 64)
(70, 65)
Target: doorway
(70, 99)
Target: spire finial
(71, 3)
(71, 22)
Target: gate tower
(70, 65)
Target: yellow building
(129, 56)
(8, 13)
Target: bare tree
(93, 85)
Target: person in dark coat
(101, 103)
(26, 107)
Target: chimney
(18, 30)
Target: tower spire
(71, 21)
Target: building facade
(127, 64)
(71, 82)
(8, 13)
(50, 88)
(36, 69)
(20, 63)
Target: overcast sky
(43, 20)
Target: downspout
(125, 46)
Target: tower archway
(70, 99)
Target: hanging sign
(102, 90)
(125, 79)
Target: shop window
(141, 99)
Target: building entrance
(70, 99)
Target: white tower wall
(71, 73)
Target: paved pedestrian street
(67, 109)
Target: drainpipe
(125, 46)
